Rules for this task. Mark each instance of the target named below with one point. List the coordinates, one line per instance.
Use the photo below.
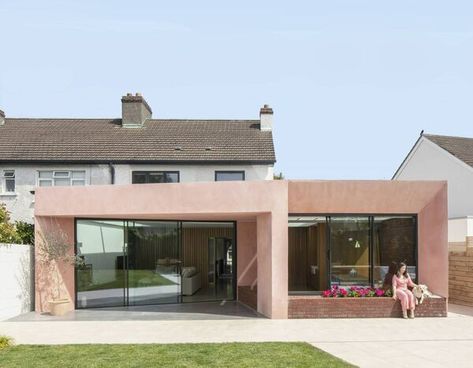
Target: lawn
(239, 355)
(136, 278)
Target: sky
(352, 82)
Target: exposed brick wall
(319, 307)
(248, 296)
(460, 277)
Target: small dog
(420, 292)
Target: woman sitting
(402, 280)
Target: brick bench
(303, 306)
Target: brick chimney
(2, 117)
(135, 111)
(266, 118)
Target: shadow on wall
(54, 273)
(25, 280)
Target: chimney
(135, 111)
(266, 118)
(2, 117)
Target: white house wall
(21, 203)
(430, 162)
(193, 173)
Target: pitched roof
(460, 147)
(159, 140)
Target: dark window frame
(371, 216)
(148, 172)
(217, 172)
(180, 222)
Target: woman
(401, 280)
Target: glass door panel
(350, 251)
(154, 265)
(101, 279)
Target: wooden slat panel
(195, 247)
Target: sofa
(190, 280)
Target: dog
(420, 292)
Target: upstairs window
(229, 175)
(9, 181)
(149, 177)
(61, 178)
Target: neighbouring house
(438, 157)
(133, 149)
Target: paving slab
(393, 342)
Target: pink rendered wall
(432, 240)
(269, 202)
(247, 264)
(241, 201)
(427, 199)
(49, 229)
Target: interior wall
(195, 247)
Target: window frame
(54, 175)
(6, 178)
(163, 172)
(217, 172)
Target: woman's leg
(411, 300)
(403, 298)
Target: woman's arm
(394, 282)
(410, 283)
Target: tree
(54, 250)
(8, 233)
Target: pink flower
(326, 293)
(343, 292)
(379, 292)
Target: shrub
(5, 342)
(25, 232)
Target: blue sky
(352, 83)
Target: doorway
(141, 262)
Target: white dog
(420, 292)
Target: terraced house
(207, 223)
(129, 150)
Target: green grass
(239, 355)
(136, 278)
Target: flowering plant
(354, 292)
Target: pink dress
(403, 293)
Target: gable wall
(430, 162)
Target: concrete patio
(423, 342)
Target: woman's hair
(398, 273)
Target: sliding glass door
(154, 265)
(141, 262)
(101, 279)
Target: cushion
(188, 271)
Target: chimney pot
(2, 117)
(138, 94)
(135, 111)
(266, 118)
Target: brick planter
(319, 307)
